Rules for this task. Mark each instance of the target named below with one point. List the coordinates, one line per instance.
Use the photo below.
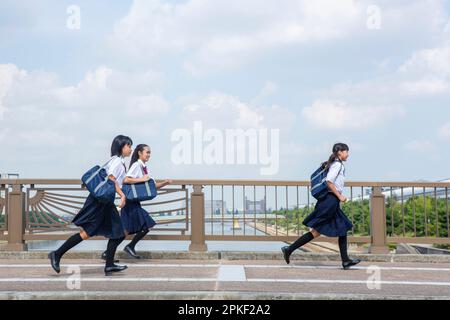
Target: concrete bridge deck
(204, 276)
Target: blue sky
(312, 69)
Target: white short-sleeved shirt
(117, 168)
(136, 170)
(336, 175)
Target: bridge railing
(236, 210)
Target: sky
(372, 74)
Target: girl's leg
(55, 256)
(315, 233)
(104, 252)
(304, 239)
(343, 248)
(137, 237)
(111, 250)
(71, 242)
(346, 261)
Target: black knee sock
(69, 244)
(343, 248)
(138, 236)
(111, 250)
(304, 239)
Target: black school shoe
(131, 252)
(286, 254)
(104, 257)
(54, 261)
(114, 268)
(349, 263)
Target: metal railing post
(198, 220)
(378, 242)
(16, 224)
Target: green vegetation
(42, 220)
(417, 209)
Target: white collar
(122, 159)
(141, 162)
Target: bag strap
(96, 172)
(342, 167)
(113, 157)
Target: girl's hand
(123, 200)
(145, 178)
(167, 182)
(342, 198)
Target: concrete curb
(197, 295)
(230, 255)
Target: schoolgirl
(98, 219)
(135, 219)
(328, 218)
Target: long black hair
(118, 143)
(135, 155)
(334, 156)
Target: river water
(161, 245)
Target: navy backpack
(319, 185)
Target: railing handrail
(241, 182)
(17, 203)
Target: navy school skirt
(328, 218)
(135, 218)
(99, 219)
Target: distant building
(215, 206)
(9, 175)
(418, 191)
(253, 207)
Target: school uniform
(100, 219)
(328, 218)
(134, 217)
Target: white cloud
(223, 111)
(424, 86)
(426, 72)
(218, 35)
(151, 105)
(8, 74)
(224, 34)
(434, 61)
(42, 116)
(421, 146)
(270, 88)
(338, 115)
(444, 131)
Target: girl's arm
(119, 191)
(130, 180)
(163, 184)
(333, 189)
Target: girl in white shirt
(135, 219)
(100, 219)
(328, 218)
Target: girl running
(135, 219)
(328, 218)
(99, 219)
